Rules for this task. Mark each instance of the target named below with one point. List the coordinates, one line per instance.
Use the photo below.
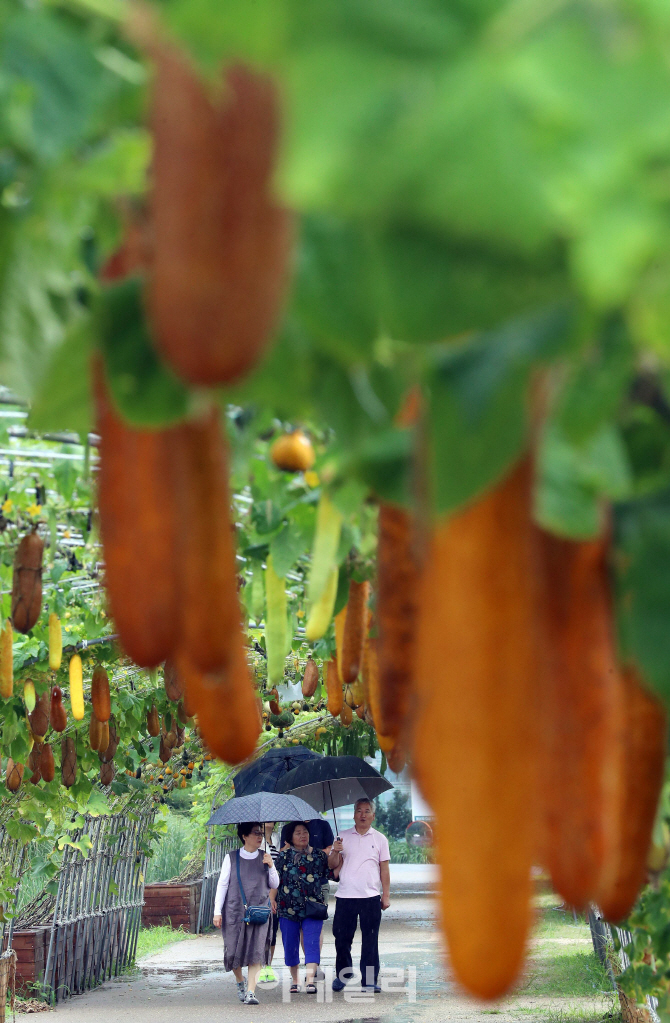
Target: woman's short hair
(245, 829)
(290, 829)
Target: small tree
(393, 818)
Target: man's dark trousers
(347, 913)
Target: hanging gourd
(310, 678)
(68, 766)
(6, 661)
(174, 686)
(350, 655)
(58, 714)
(333, 688)
(13, 775)
(47, 763)
(275, 623)
(153, 722)
(95, 733)
(323, 571)
(39, 719)
(55, 642)
(29, 697)
(321, 612)
(27, 582)
(76, 687)
(100, 698)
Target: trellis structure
(14, 860)
(96, 913)
(602, 936)
(214, 857)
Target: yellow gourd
(322, 611)
(6, 661)
(29, 696)
(76, 688)
(55, 642)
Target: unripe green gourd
(276, 625)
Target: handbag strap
(239, 879)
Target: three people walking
(255, 889)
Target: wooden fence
(214, 856)
(86, 932)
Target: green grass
(153, 939)
(563, 966)
(572, 1015)
(172, 850)
(565, 972)
(554, 923)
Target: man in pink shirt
(362, 856)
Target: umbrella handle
(332, 807)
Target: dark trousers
(347, 913)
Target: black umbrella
(334, 781)
(262, 807)
(264, 774)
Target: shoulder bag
(315, 910)
(252, 914)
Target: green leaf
(286, 547)
(18, 749)
(334, 288)
(478, 419)
(146, 392)
(63, 399)
(596, 385)
(67, 82)
(575, 480)
(119, 166)
(342, 591)
(266, 516)
(217, 30)
(432, 286)
(97, 803)
(20, 831)
(642, 563)
(617, 242)
(383, 463)
(349, 498)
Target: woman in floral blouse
(303, 871)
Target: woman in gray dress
(245, 944)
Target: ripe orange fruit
(293, 452)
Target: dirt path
(186, 982)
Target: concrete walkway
(186, 981)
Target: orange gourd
(210, 615)
(396, 608)
(100, 696)
(476, 679)
(138, 524)
(643, 752)
(221, 242)
(581, 717)
(225, 703)
(354, 633)
(333, 688)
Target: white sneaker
(242, 990)
(250, 998)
